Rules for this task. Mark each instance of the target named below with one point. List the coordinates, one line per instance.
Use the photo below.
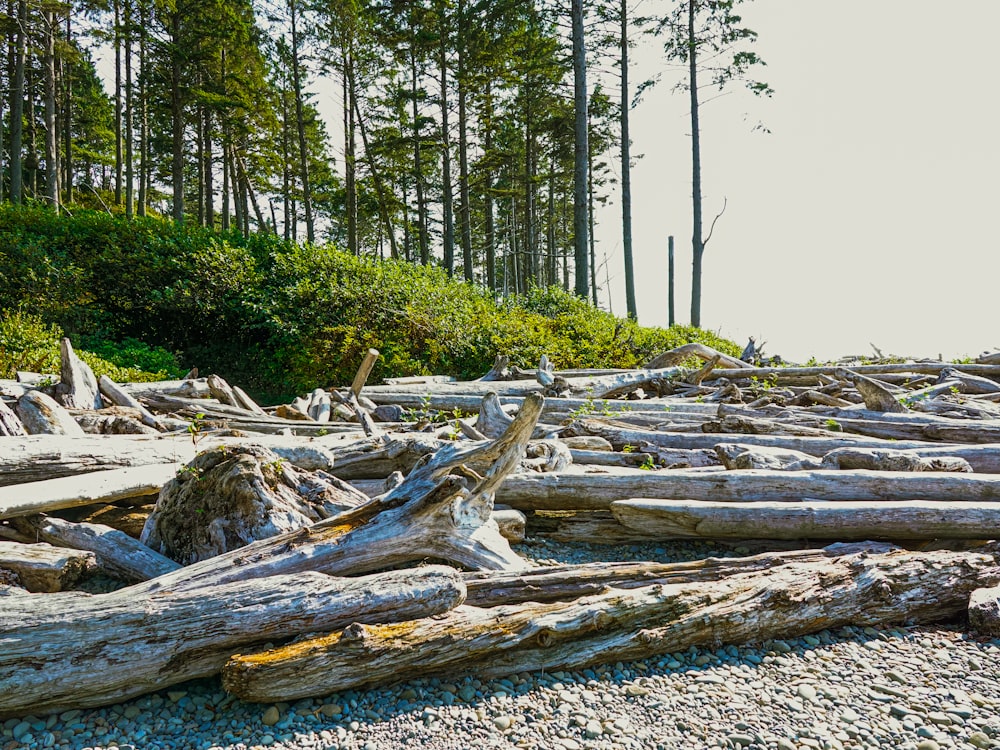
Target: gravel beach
(918, 688)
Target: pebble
(917, 690)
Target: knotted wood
(618, 625)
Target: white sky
(868, 215)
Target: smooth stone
(593, 729)
(928, 745)
(980, 739)
(502, 723)
(635, 691)
(270, 716)
(331, 709)
(740, 739)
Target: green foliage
(281, 319)
(28, 343)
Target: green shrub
(27, 343)
(280, 319)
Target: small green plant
(628, 448)
(834, 425)
(649, 464)
(194, 428)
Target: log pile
(319, 546)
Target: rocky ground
(852, 688)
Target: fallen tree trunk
(790, 601)
(44, 568)
(118, 555)
(846, 521)
(95, 487)
(592, 491)
(118, 395)
(76, 650)
(984, 458)
(42, 457)
(566, 582)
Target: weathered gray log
(499, 371)
(743, 456)
(966, 383)
(983, 458)
(64, 651)
(187, 388)
(10, 425)
(790, 601)
(222, 391)
(94, 487)
(989, 358)
(230, 496)
(844, 521)
(566, 582)
(44, 568)
(319, 405)
(118, 555)
(244, 401)
(41, 415)
(984, 612)
(114, 421)
(376, 458)
(875, 459)
(738, 424)
(118, 395)
(786, 374)
(78, 389)
(877, 396)
(511, 523)
(591, 491)
(686, 351)
(364, 370)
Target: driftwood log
(591, 491)
(44, 568)
(230, 496)
(621, 625)
(117, 554)
(10, 425)
(74, 650)
(844, 520)
(87, 489)
(42, 415)
(78, 388)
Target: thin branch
(717, 217)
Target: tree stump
(228, 497)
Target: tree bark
(864, 589)
(581, 149)
(74, 650)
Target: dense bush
(280, 318)
(27, 343)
